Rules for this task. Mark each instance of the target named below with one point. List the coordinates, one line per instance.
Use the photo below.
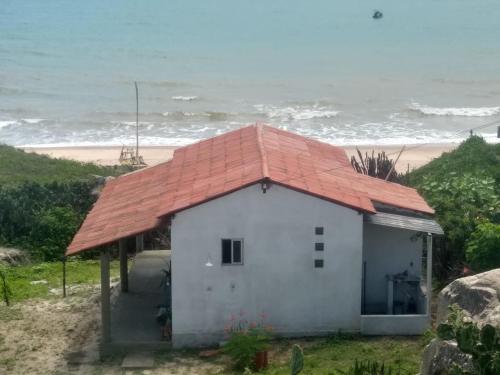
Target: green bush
(246, 339)
(42, 218)
(483, 247)
(460, 202)
(463, 186)
(52, 232)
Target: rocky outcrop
(439, 356)
(479, 298)
(11, 257)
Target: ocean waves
(322, 120)
(291, 113)
(455, 111)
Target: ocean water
(428, 71)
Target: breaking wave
(184, 98)
(296, 113)
(455, 111)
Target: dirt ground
(55, 336)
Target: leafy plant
(52, 232)
(376, 166)
(463, 186)
(297, 360)
(482, 344)
(246, 339)
(483, 247)
(460, 201)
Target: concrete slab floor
(133, 315)
(138, 360)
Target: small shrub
(52, 232)
(246, 339)
(483, 247)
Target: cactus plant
(297, 360)
(483, 345)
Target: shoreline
(413, 157)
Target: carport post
(139, 243)
(429, 273)
(105, 298)
(122, 245)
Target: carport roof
(137, 202)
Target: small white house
(268, 222)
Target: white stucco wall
(278, 277)
(386, 251)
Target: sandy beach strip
(413, 157)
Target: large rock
(439, 356)
(11, 257)
(478, 296)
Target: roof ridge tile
(263, 154)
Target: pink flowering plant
(246, 339)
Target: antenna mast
(136, 121)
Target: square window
(232, 251)
(319, 246)
(319, 230)
(318, 263)
(226, 251)
(236, 251)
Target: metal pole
(394, 165)
(136, 122)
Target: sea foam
(184, 98)
(455, 111)
(296, 113)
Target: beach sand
(413, 157)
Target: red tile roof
(136, 202)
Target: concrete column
(139, 243)
(429, 273)
(122, 245)
(105, 298)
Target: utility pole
(136, 122)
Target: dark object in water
(377, 15)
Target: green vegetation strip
(17, 166)
(37, 280)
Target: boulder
(478, 296)
(439, 356)
(11, 257)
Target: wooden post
(429, 273)
(122, 245)
(139, 243)
(64, 276)
(105, 298)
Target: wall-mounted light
(209, 262)
(264, 185)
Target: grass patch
(17, 166)
(338, 353)
(47, 276)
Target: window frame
(233, 240)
